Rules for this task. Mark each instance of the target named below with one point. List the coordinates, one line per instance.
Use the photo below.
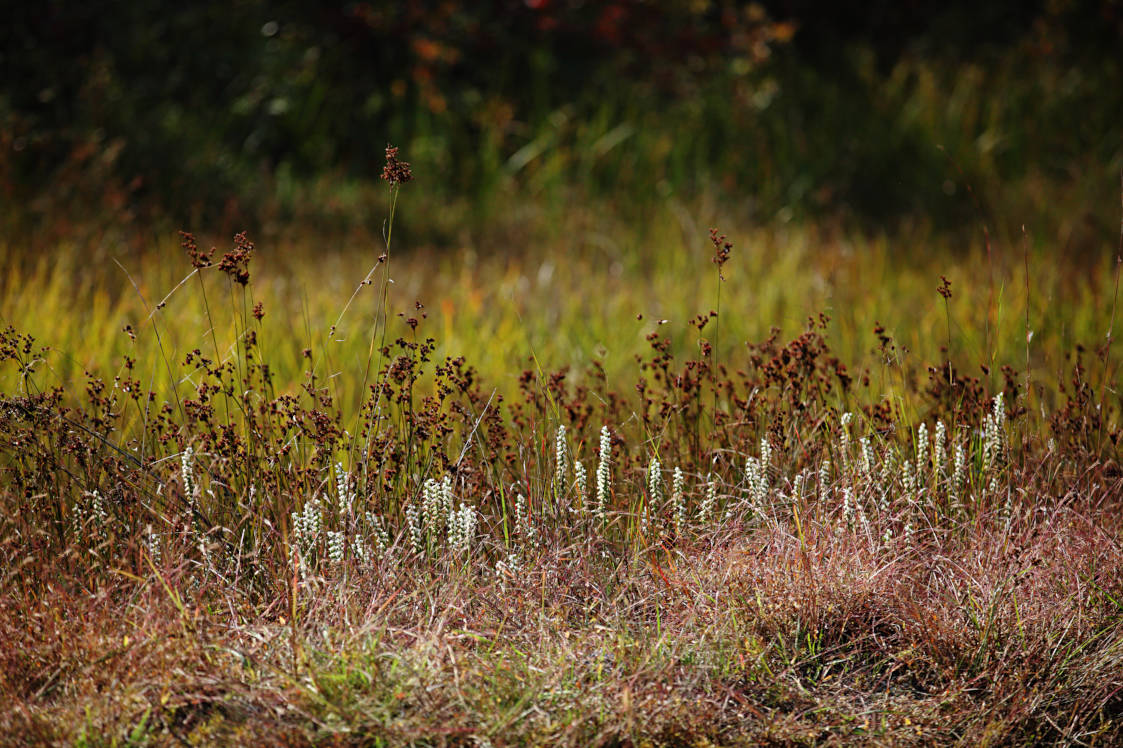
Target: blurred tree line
(209, 110)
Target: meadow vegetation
(630, 485)
(523, 451)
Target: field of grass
(608, 483)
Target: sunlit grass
(573, 298)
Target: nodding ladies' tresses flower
(938, 452)
(360, 550)
(824, 476)
(959, 471)
(580, 482)
(336, 546)
(993, 425)
(678, 501)
(765, 454)
(921, 453)
(867, 456)
(508, 568)
(93, 511)
(396, 171)
(523, 526)
(707, 508)
(756, 475)
(187, 472)
(430, 503)
(561, 468)
(655, 482)
(461, 528)
(436, 503)
(446, 494)
(344, 490)
(844, 439)
(152, 544)
(888, 469)
(306, 525)
(378, 530)
(603, 475)
(416, 534)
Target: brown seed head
(722, 248)
(944, 289)
(199, 258)
(236, 262)
(395, 172)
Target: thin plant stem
(1028, 332)
(1114, 301)
(384, 310)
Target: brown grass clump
(1002, 630)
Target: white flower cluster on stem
(994, 425)
(921, 454)
(561, 462)
(824, 476)
(756, 476)
(603, 472)
(581, 483)
(959, 473)
(797, 487)
(416, 532)
(436, 504)
(344, 491)
(93, 511)
(381, 536)
(361, 551)
(848, 508)
(655, 483)
(523, 526)
(152, 544)
(509, 567)
(867, 456)
(461, 528)
(306, 525)
(187, 473)
(335, 543)
(938, 452)
(678, 499)
(707, 509)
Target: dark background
(237, 112)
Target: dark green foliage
(212, 111)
